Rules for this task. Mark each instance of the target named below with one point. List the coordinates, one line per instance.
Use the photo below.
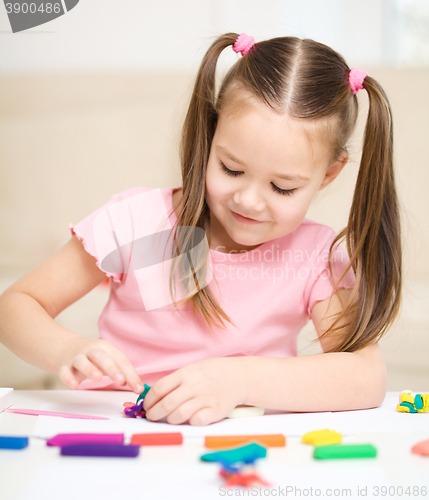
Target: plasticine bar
(66, 439)
(153, 439)
(322, 437)
(53, 414)
(13, 442)
(264, 439)
(247, 454)
(421, 448)
(100, 450)
(345, 451)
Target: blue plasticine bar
(100, 450)
(13, 442)
(345, 451)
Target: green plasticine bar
(345, 451)
(143, 394)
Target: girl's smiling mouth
(245, 220)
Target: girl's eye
(228, 171)
(286, 192)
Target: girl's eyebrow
(286, 177)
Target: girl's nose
(249, 200)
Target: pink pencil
(54, 414)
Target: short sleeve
(85, 233)
(321, 283)
(108, 228)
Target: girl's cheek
(215, 185)
(211, 178)
(295, 214)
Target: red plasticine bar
(155, 439)
(66, 439)
(421, 448)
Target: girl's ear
(334, 170)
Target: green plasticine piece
(248, 453)
(409, 406)
(345, 451)
(418, 402)
(143, 394)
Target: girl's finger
(82, 364)
(70, 376)
(185, 411)
(131, 376)
(160, 389)
(168, 404)
(100, 360)
(204, 416)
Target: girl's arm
(27, 326)
(206, 391)
(321, 382)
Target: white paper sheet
(383, 419)
(91, 479)
(290, 424)
(96, 409)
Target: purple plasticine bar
(100, 450)
(66, 439)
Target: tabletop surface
(175, 472)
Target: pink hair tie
(243, 44)
(356, 78)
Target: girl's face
(265, 167)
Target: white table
(160, 470)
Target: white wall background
(143, 35)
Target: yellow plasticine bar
(410, 398)
(403, 409)
(322, 437)
(407, 398)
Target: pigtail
(373, 233)
(197, 135)
(200, 123)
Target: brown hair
(308, 81)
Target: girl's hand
(94, 358)
(202, 392)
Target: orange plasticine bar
(265, 440)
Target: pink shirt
(268, 292)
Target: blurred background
(92, 103)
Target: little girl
(253, 158)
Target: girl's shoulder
(310, 236)
(132, 191)
(139, 190)
(137, 198)
(312, 229)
